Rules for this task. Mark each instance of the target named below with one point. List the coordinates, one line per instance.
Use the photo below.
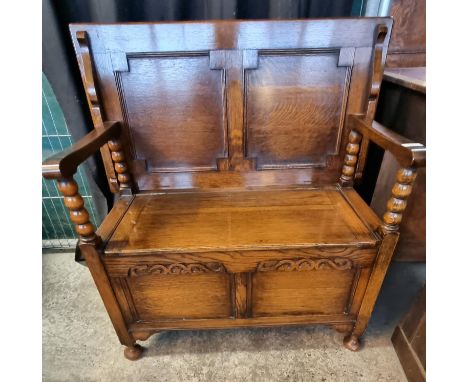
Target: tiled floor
(79, 343)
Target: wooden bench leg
(89, 243)
(132, 351)
(352, 340)
(389, 230)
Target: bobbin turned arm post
(351, 158)
(410, 156)
(63, 165)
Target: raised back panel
(296, 104)
(174, 107)
(232, 104)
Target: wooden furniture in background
(234, 146)
(402, 108)
(409, 340)
(408, 43)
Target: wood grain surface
(238, 220)
(238, 145)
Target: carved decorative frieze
(305, 264)
(175, 269)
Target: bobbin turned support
(61, 167)
(78, 213)
(410, 155)
(397, 203)
(120, 165)
(350, 159)
(389, 231)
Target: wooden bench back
(232, 103)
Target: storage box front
(175, 292)
(256, 286)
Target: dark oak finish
(409, 340)
(402, 108)
(410, 78)
(405, 151)
(408, 44)
(65, 163)
(238, 148)
(379, 48)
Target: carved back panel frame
(232, 103)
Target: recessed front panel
(322, 291)
(181, 296)
(295, 108)
(174, 109)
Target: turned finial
(397, 203)
(350, 159)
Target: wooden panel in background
(402, 108)
(408, 43)
(409, 340)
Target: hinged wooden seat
(233, 147)
(195, 222)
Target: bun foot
(133, 352)
(352, 343)
(344, 328)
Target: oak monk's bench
(233, 147)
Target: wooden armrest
(410, 155)
(407, 153)
(65, 163)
